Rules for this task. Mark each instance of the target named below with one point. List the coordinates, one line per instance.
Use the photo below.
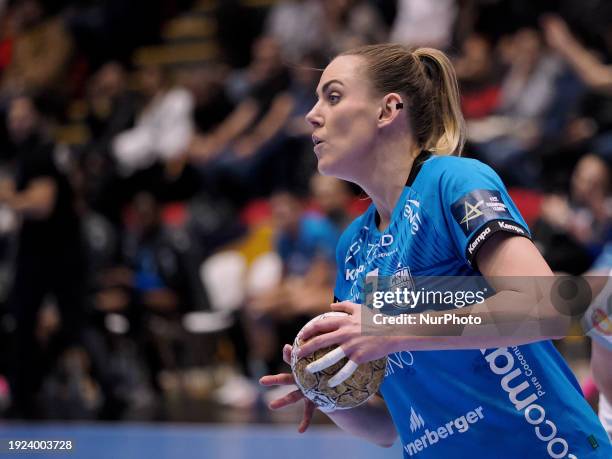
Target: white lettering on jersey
(411, 212)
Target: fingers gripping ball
(354, 391)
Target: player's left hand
(348, 333)
(286, 379)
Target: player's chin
(326, 165)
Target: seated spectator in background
(161, 276)
(424, 23)
(574, 229)
(305, 243)
(221, 152)
(347, 24)
(594, 122)
(163, 128)
(331, 26)
(506, 140)
(40, 51)
(277, 152)
(111, 109)
(295, 24)
(265, 73)
(479, 73)
(8, 28)
(212, 103)
(333, 197)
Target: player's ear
(391, 106)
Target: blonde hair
(425, 76)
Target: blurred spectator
(575, 228)
(479, 73)
(424, 23)
(277, 150)
(329, 26)
(295, 24)
(586, 63)
(111, 109)
(163, 128)
(48, 258)
(7, 37)
(40, 52)
(112, 29)
(162, 275)
(594, 122)
(347, 24)
(222, 152)
(306, 246)
(305, 243)
(212, 102)
(333, 197)
(505, 140)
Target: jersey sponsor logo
(478, 207)
(385, 240)
(471, 212)
(386, 254)
(400, 280)
(416, 420)
(523, 397)
(398, 361)
(353, 274)
(353, 250)
(507, 227)
(478, 240)
(487, 231)
(430, 438)
(411, 213)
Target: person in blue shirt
(388, 119)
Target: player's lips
(317, 142)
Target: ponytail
(448, 126)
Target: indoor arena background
(183, 165)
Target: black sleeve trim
(489, 229)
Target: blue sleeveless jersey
(516, 402)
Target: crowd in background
(160, 215)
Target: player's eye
(333, 98)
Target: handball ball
(354, 391)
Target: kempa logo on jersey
(429, 438)
(479, 240)
(501, 362)
(507, 227)
(413, 215)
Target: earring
(399, 105)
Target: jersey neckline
(372, 214)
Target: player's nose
(314, 118)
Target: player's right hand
(286, 379)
